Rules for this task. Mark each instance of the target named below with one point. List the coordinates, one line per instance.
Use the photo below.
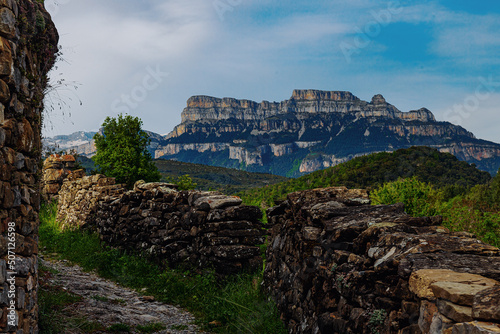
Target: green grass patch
(151, 328)
(119, 328)
(179, 327)
(236, 305)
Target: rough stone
(171, 225)
(356, 268)
(218, 201)
(486, 304)
(487, 266)
(455, 312)
(6, 60)
(476, 327)
(7, 23)
(440, 324)
(4, 97)
(56, 169)
(427, 312)
(22, 84)
(422, 280)
(461, 293)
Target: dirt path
(109, 304)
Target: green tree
(122, 151)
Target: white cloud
(261, 50)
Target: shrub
(419, 198)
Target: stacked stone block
(336, 264)
(56, 169)
(188, 229)
(80, 196)
(28, 43)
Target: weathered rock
(248, 130)
(218, 201)
(440, 324)
(487, 266)
(164, 187)
(476, 327)
(7, 23)
(455, 312)
(56, 169)
(187, 228)
(461, 293)
(336, 265)
(422, 280)
(427, 312)
(487, 304)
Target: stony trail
(108, 303)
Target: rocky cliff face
(312, 130)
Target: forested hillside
(443, 170)
(227, 180)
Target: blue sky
(148, 57)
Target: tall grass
(234, 305)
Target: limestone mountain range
(312, 130)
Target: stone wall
(28, 43)
(336, 264)
(56, 169)
(79, 197)
(191, 229)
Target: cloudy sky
(147, 57)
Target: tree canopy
(122, 151)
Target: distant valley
(312, 130)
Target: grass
(235, 305)
(119, 328)
(55, 303)
(152, 328)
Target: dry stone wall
(28, 43)
(192, 229)
(56, 169)
(80, 196)
(336, 264)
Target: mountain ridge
(317, 128)
(312, 130)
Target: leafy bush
(475, 212)
(419, 198)
(185, 182)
